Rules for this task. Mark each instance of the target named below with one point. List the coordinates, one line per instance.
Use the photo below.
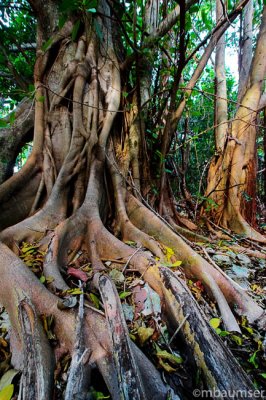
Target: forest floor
(143, 313)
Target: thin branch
(226, 21)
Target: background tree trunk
(232, 175)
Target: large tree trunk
(82, 136)
(232, 175)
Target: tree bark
(232, 176)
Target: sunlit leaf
(215, 323)
(123, 295)
(74, 291)
(7, 392)
(144, 334)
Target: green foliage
(23, 155)
(17, 52)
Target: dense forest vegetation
(132, 199)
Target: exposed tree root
(207, 349)
(38, 361)
(194, 265)
(78, 382)
(130, 385)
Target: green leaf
(74, 291)
(166, 366)
(95, 300)
(2, 59)
(12, 118)
(238, 340)
(176, 264)
(263, 375)
(224, 333)
(163, 354)
(193, 9)
(62, 20)
(7, 392)
(123, 295)
(40, 99)
(75, 30)
(130, 242)
(3, 123)
(253, 359)
(42, 279)
(31, 88)
(47, 44)
(215, 323)
(68, 5)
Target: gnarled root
(194, 265)
(219, 367)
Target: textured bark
(231, 179)
(12, 139)
(221, 94)
(245, 52)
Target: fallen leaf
(77, 273)
(166, 366)
(117, 276)
(95, 300)
(144, 334)
(7, 392)
(123, 295)
(238, 340)
(139, 296)
(253, 359)
(215, 323)
(163, 354)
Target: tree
(232, 174)
(83, 189)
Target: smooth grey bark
(13, 138)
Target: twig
(130, 258)
(178, 329)
(94, 309)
